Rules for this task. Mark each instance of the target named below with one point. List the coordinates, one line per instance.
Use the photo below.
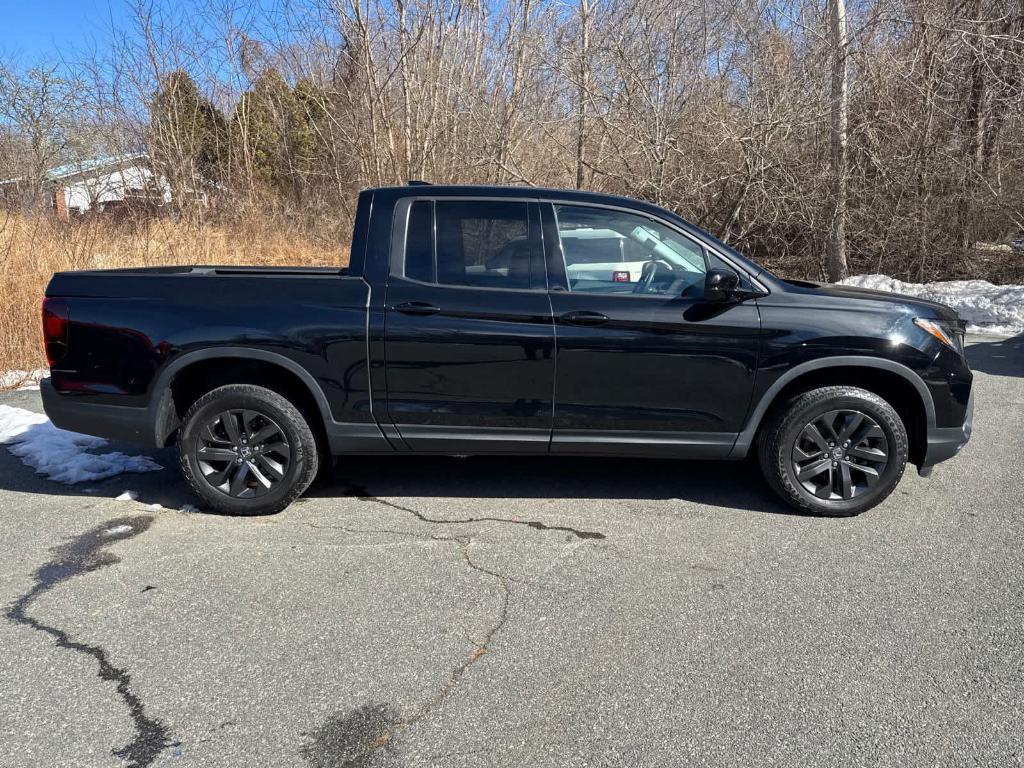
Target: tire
(216, 433)
(825, 476)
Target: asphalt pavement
(522, 612)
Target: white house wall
(112, 187)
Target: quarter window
(419, 242)
(607, 251)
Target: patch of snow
(154, 507)
(117, 529)
(987, 308)
(188, 508)
(22, 379)
(127, 496)
(63, 456)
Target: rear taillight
(55, 329)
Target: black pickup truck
(509, 320)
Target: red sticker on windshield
(620, 277)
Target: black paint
(84, 554)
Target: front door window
(614, 252)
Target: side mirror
(720, 284)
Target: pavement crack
(347, 740)
(86, 553)
(482, 648)
(361, 493)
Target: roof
(424, 189)
(85, 166)
(93, 164)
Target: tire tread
(306, 451)
(772, 454)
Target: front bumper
(946, 442)
(114, 422)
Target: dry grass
(33, 248)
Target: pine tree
(188, 134)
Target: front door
(645, 365)
(469, 339)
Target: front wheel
(834, 451)
(246, 450)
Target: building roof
(83, 167)
(92, 165)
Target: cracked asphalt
(522, 612)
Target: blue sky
(37, 31)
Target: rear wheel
(246, 450)
(834, 451)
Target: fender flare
(160, 399)
(746, 438)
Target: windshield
(665, 244)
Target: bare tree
(840, 109)
(887, 135)
(39, 107)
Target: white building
(106, 183)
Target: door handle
(416, 308)
(583, 317)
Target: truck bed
(127, 325)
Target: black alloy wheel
(247, 450)
(243, 453)
(834, 451)
(840, 454)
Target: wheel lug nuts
(835, 463)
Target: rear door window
(473, 243)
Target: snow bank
(61, 455)
(22, 379)
(987, 308)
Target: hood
(925, 307)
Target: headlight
(949, 332)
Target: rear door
(469, 338)
(645, 365)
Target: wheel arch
(895, 383)
(191, 375)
